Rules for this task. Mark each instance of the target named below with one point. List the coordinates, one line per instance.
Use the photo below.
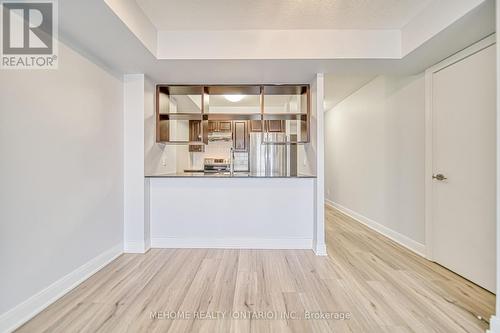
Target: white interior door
(463, 152)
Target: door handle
(439, 177)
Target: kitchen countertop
(220, 175)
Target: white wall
(375, 141)
(61, 174)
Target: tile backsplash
(240, 161)
(219, 150)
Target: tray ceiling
(280, 14)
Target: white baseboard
(135, 247)
(23, 312)
(401, 239)
(232, 243)
(320, 250)
(494, 325)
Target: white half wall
(256, 213)
(375, 156)
(61, 176)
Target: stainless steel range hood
(220, 136)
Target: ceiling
(129, 56)
(280, 14)
(339, 87)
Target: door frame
(461, 55)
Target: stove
(216, 165)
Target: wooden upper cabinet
(195, 130)
(220, 126)
(269, 125)
(212, 126)
(275, 125)
(240, 136)
(255, 126)
(225, 126)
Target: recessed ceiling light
(234, 98)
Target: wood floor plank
(377, 284)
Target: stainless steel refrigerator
(268, 159)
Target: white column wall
(311, 160)
(319, 155)
(136, 227)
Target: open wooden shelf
(197, 97)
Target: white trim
(135, 247)
(320, 250)
(428, 165)
(23, 312)
(401, 239)
(494, 325)
(482, 44)
(232, 243)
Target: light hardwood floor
(381, 286)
